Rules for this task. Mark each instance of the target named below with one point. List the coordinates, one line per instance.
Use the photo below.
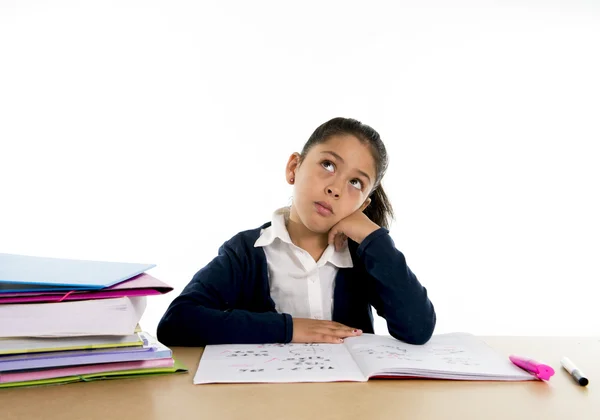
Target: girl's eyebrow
(338, 157)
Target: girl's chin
(317, 226)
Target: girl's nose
(334, 192)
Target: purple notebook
(140, 285)
(82, 357)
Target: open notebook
(459, 356)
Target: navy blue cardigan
(229, 302)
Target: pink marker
(539, 370)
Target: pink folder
(140, 285)
(36, 375)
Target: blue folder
(23, 273)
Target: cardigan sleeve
(210, 309)
(394, 290)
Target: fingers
(326, 338)
(341, 241)
(337, 238)
(331, 237)
(331, 339)
(320, 331)
(335, 332)
(338, 326)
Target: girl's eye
(329, 166)
(357, 184)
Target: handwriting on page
(246, 353)
(290, 362)
(279, 357)
(452, 355)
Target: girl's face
(332, 182)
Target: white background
(151, 132)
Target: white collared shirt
(300, 286)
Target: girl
(311, 274)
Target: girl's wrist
(366, 231)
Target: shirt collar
(341, 259)
(277, 230)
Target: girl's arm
(220, 306)
(395, 291)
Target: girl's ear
(291, 167)
(365, 204)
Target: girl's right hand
(308, 330)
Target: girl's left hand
(357, 227)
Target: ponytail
(380, 209)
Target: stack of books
(72, 320)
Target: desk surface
(175, 397)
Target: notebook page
(244, 363)
(449, 356)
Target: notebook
(40, 374)
(118, 316)
(82, 357)
(88, 377)
(141, 285)
(24, 273)
(458, 356)
(50, 344)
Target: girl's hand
(318, 331)
(357, 227)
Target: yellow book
(50, 344)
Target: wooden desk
(175, 397)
